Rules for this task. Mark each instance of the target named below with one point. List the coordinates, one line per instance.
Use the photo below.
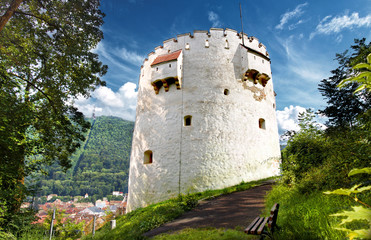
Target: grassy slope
(301, 216)
(101, 164)
(134, 224)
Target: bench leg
(266, 234)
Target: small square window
(207, 43)
(148, 157)
(187, 120)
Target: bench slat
(251, 225)
(274, 208)
(257, 226)
(253, 230)
(260, 230)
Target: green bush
(188, 201)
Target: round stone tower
(205, 117)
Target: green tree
(46, 61)
(305, 149)
(343, 106)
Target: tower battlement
(205, 116)
(199, 36)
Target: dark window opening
(261, 123)
(226, 92)
(148, 157)
(187, 120)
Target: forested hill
(100, 166)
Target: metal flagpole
(243, 41)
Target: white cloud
(339, 38)
(128, 56)
(295, 25)
(109, 55)
(329, 25)
(108, 97)
(298, 75)
(109, 103)
(214, 19)
(297, 12)
(288, 118)
(303, 63)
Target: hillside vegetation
(99, 167)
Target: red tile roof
(167, 57)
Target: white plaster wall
(224, 145)
(165, 70)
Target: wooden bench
(258, 226)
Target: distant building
(117, 193)
(93, 211)
(101, 204)
(50, 196)
(86, 195)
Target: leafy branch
(363, 77)
(359, 212)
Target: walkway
(227, 211)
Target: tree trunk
(9, 13)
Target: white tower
(205, 117)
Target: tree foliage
(362, 77)
(359, 213)
(46, 60)
(316, 159)
(343, 105)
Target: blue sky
(302, 38)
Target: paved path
(227, 211)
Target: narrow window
(187, 120)
(207, 44)
(148, 157)
(169, 65)
(254, 57)
(274, 105)
(157, 69)
(168, 51)
(226, 44)
(261, 123)
(226, 92)
(187, 46)
(262, 61)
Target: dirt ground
(228, 211)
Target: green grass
(133, 225)
(306, 216)
(205, 234)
